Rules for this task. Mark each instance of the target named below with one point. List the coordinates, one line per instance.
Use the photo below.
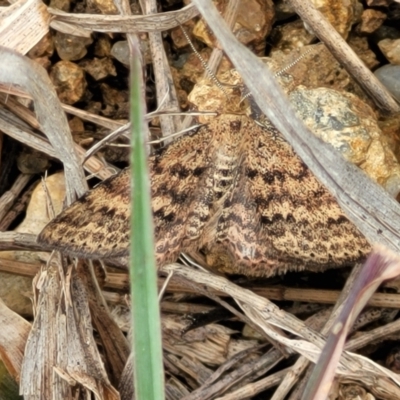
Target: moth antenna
(176, 134)
(294, 62)
(203, 63)
(283, 70)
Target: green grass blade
(146, 325)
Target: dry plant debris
(248, 217)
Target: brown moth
(235, 192)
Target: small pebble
(31, 161)
(71, 48)
(102, 47)
(391, 50)
(389, 75)
(69, 81)
(64, 5)
(99, 68)
(371, 20)
(104, 6)
(253, 24)
(120, 52)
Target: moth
(235, 192)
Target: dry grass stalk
(26, 74)
(10, 196)
(127, 24)
(62, 336)
(13, 336)
(164, 91)
(24, 23)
